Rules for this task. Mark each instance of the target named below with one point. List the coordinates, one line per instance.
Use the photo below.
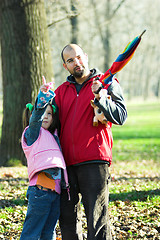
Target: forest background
(108, 24)
(103, 29)
(32, 34)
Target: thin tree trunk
(74, 23)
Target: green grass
(13, 162)
(135, 171)
(139, 137)
(134, 189)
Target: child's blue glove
(44, 98)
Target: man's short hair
(69, 46)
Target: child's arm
(35, 123)
(36, 119)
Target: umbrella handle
(142, 33)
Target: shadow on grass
(7, 198)
(12, 202)
(134, 195)
(13, 179)
(124, 196)
(137, 136)
(137, 178)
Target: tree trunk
(74, 23)
(25, 58)
(106, 46)
(106, 43)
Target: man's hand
(96, 87)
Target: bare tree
(104, 29)
(105, 34)
(26, 57)
(74, 22)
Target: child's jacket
(44, 153)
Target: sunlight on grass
(136, 149)
(134, 188)
(139, 137)
(133, 185)
(143, 122)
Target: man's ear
(64, 65)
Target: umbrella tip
(142, 33)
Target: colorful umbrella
(121, 61)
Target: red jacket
(80, 141)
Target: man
(87, 149)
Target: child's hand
(45, 94)
(46, 86)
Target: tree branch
(69, 16)
(116, 9)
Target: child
(46, 169)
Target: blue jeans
(42, 214)
(90, 181)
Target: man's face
(76, 62)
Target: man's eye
(70, 61)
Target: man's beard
(78, 74)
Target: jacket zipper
(72, 133)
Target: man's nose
(76, 61)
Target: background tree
(74, 22)
(103, 29)
(26, 57)
(97, 28)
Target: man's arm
(114, 109)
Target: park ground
(134, 205)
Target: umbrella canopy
(121, 61)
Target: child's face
(48, 117)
